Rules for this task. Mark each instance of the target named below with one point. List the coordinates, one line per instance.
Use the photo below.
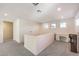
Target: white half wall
(27, 27)
(1, 32)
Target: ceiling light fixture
(58, 9)
(38, 10)
(62, 17)
(5, 14)
(35, 4)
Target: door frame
(3, 29)
(16, 30)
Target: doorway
(7, 31)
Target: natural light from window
(53, 25)
(77, 22)
(63, 25)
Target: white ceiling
(28, 11)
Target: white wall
(27, 27)
(22, 27)
(77, 27)
(1, 32)
(16, 31)
(69, 29)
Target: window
(45, 25)
(63, 25)
(77, 22)
(53, 25)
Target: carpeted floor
(58, 49)
(12, 48)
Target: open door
(7, 31)
(73, 42)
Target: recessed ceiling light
(35, 4)
(62, 17)
(38, 10)
(5, 14)
(58, 9)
